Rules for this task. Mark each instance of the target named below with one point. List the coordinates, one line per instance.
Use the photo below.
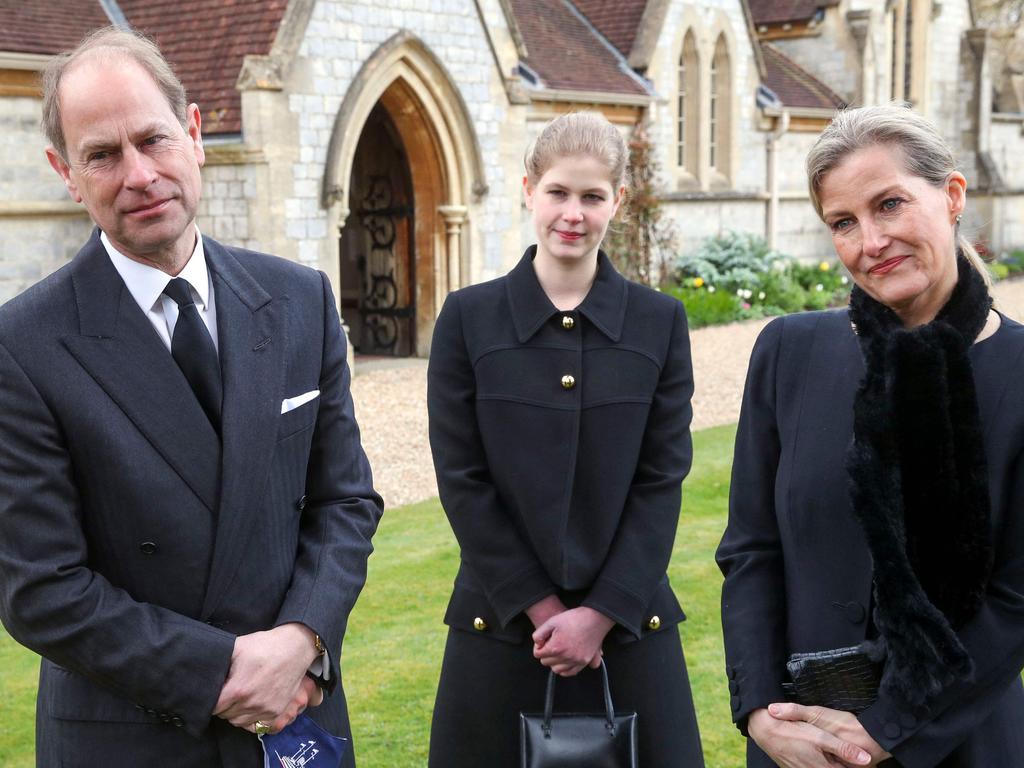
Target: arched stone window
(687, 100)
(720, 111)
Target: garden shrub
(736, 276)
(707, 307)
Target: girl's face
(572, 204)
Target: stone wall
(945, 74)
(341, 36)
(1006, 143)
(708, 19)
(224, 205)
(41, 228)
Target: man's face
(130, 162)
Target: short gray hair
(111, 42)
(579, 133)
(925, 153)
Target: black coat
(555, 484)
(796, 563)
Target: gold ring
(260, 728)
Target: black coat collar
(604, 305)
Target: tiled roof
(38, 26)
(206, 41)
(782, 11)
(565, 53)
(794, 85)
(617, 20)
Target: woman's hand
(802, 744)
(842, 725)
(544, 609)
(571, 640)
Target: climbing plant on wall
(640, 241)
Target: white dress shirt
(146, 285)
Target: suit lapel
(250, 327)
(119, 348)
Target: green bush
(730, 262)
(736, 276)
(999, 270)
(704, 307)
(1009, 264)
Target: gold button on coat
(568, 382)
(654, 623)
(479, 624)
(568, 322)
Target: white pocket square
(291, 403)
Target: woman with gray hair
(873, 605)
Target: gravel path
(390, 399)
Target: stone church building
(382, 141)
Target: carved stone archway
(408, 81)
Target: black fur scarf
(919, 486)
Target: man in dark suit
(185, 507)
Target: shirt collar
(146, 283)
(604, 305)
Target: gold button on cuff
(479, 624)
(568, 322)
(568, 382)
(654, 623)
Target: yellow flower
(698, 282)
(824, 266)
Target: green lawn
(395, 638)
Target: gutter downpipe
(772, 213)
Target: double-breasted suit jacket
(134, 543)
(798, 573)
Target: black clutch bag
(578, 740)
(843, 678)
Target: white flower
(844, 280)
(711, 289)
(819, 287)
(760, 296)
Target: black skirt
(486, 683)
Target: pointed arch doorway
(378, 279)
(403, 149)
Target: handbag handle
(549, 702)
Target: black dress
(560, 440)
(796, 563)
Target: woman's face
(572, 204)
(894, 232)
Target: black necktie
(192, 349)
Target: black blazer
(133, 546)
(560, 441)
(796, 563)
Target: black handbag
(578, 740)
(843, 678)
